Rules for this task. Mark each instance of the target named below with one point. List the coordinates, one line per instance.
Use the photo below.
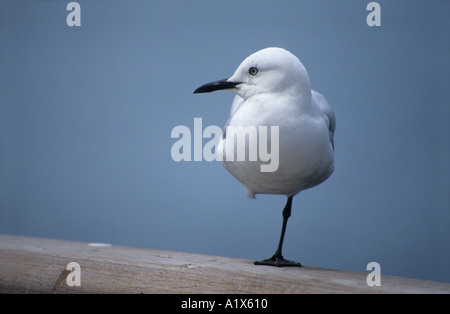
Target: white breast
(305, 145)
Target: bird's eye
(253, 71)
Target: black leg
(277, 259)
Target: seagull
(273, 88)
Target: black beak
(216, 85)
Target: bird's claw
(278, 261)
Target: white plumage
(280, 95)
(273, 89)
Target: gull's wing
(327, 113)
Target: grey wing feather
(327, 113)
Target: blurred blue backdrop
(86, 115)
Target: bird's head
(270, 70)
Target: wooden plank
(34, 265)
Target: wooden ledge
(34, 265)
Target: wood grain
(34, 265)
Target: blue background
(86, 115)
